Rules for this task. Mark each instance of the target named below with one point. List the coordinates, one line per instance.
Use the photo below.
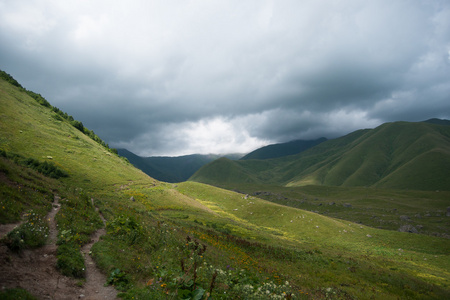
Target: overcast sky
(174, 77)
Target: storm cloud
(180, 77)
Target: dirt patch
(35, 270)
(5, 228)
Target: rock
(368, 235)
(405, 218)
(408, 228)
(448, 212)
(347, 205)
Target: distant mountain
(283, 149)
(399, 155)
(171, 169)
(438, 121)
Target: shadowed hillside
(171, 169)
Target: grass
(14, 294)
(397, 155)
(253, 246)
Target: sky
(177, 77)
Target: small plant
(17, 293)
(70, 261)
(31, 234)
(119, 279)
(125, 228)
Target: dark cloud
(175, 77)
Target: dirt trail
(94, 287)
(35, 270)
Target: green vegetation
(46, 168)
(32, 233)
(283, 149)
(171, 169)
(194, 241)
(397, 155)
(77, 220)
(14, 294)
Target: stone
(404, 218)
(408, 228)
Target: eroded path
(94, 287)
(35, 270)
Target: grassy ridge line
(33, 131)
(394, 155)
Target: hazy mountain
(283, 149)
(172, 169)
(402, 155)
(438, 121)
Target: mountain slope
(158, 234)
(282, 149)
(171, 169)
(394, 155)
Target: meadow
(195, 241)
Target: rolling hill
(282, 149)
(398, 155)
(172, 169)
(188, 240)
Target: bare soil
(35, 270)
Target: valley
(237, 229)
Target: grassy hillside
(191, 240)
(282, 149)
(394, 155)
(172, 169)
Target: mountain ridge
(386, 156)
(171, 168)
(282, 149)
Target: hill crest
(398, 155)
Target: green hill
(400, 155)
(172, 169)
(282, 149)
(191, 240)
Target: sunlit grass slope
(191, 240)
(394, 155)
(32, 130)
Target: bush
(46, 168)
